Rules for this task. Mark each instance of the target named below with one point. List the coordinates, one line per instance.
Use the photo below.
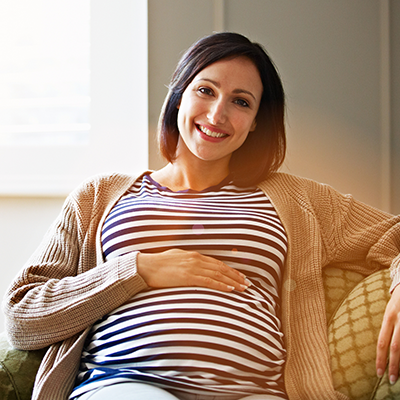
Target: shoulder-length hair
(264, 149)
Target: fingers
(383, 348)
(176, 267)
(388, 344)
(220, 276)
(394, 357)
(209, 272)
(389, 339)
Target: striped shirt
(194, 339)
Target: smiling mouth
(210, 133)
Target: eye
(205, 90)
(242, 103)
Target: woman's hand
(173, 268)
(389, 338)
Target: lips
(211, 133)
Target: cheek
(187, 113)
(244, 137)
(244, 125)
(183, 108)
(181, 118)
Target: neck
(180, 177)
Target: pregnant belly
(199, 335)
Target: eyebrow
(236, 91)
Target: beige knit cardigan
(66, 285)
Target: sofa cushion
(386, 391)
(17, 371)
(353, 332)
(338, 283)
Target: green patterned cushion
(17, 371)
(353, 332)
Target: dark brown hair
(264, 149)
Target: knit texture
(66, 285)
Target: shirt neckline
(213, 188)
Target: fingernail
(243, 276)
(379, 372)
(246, 285)
(392, 379)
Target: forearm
(42, 311)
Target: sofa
(354, 309)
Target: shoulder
(106, 182)
(292, 192)
(89, 200)
(292, 185)
(312, 196)
(101, 188)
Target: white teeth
(211, 133)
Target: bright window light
(44, 72)
(73, 92)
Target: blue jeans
(144, 391)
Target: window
(73, 92)
(44, 72)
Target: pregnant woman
(201, 280)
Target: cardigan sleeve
(61, 291)
(358, 233)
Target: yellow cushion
(353, 332)
(338, 283)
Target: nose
(217, 113)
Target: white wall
(395, 105)
(329, 56)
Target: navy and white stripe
(194, 339)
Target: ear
(179, 104)
(253, 126)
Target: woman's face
(218, 110)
